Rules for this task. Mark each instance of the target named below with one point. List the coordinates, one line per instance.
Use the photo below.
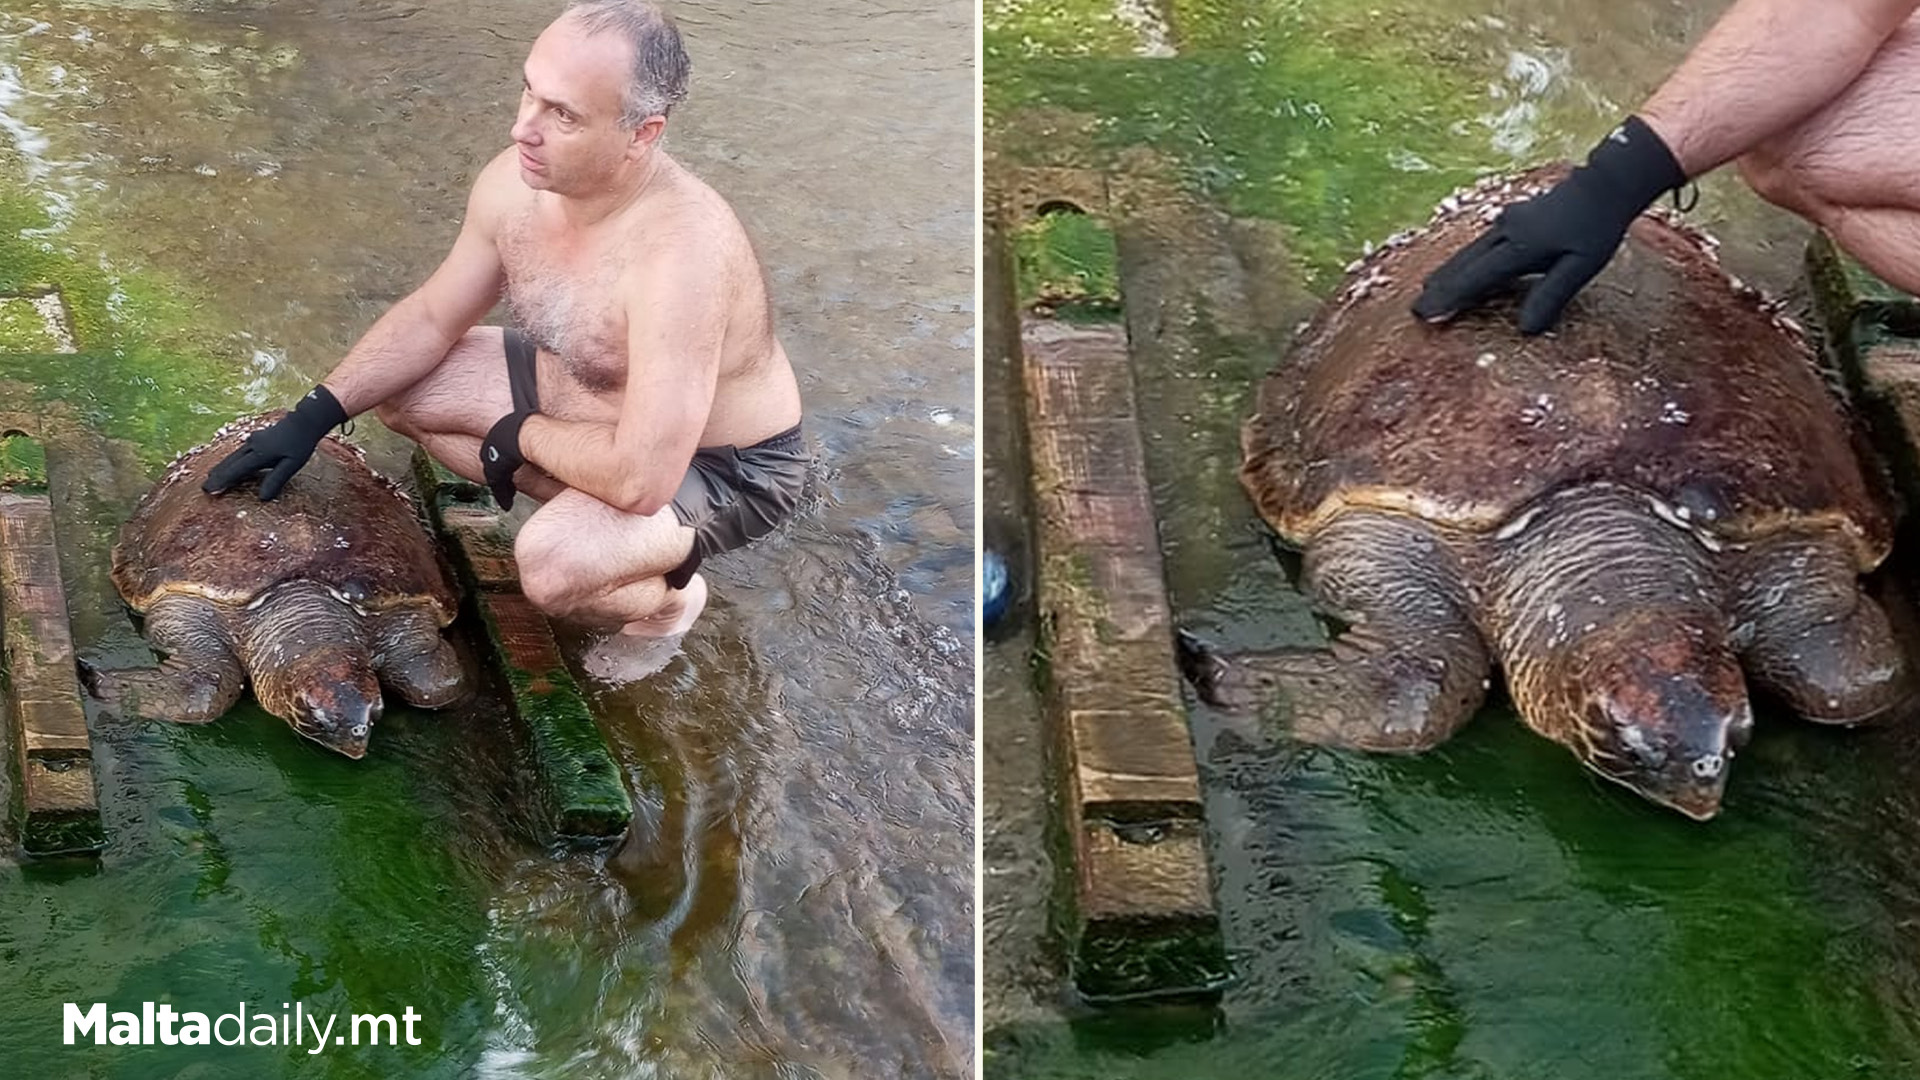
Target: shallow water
(246, 186)
(1488, 910)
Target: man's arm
(1765, 66)
(407, 342)
(399, 349)
(674, 334)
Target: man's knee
(394, 413)
(447, 391)
(550, 578)
(1773, 171)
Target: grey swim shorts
(730, 497)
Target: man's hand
(1567, 234)
(500, 457)
(281, 448)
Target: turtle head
(336, 706)
(1663, 709)
(328, 694)
(311, 667)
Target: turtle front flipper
(1409, 670)
(199, 680)
(416, 662)
(1362, 696)
(1813, 637)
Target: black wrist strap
(321, 408)
(1636, 164)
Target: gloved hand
(1568, 233)
(500, 456)
(282, 448)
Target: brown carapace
(1634, 518)
(317, 598)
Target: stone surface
(586, 795)
(35, 322)
(1033, 191)
(47, 725)
(1140, 920)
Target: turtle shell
(336, 522)
(1664, 375)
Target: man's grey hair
(659, 78)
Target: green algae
(585, 792)
(153, 369)
(63, 834)
(256, 867)
(1481, 912)
(1030, 29)
(23, 328)
(23, 464)
(1339, 119)
(1068, 264)
(160, 361)
(584, 789)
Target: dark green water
(1488, 911)
(227, 193)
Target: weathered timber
(1872, 333)
(583, 782)
(1855, 307)
(1140, 919)
(53, 753)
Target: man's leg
(1853, 168)
(584, 560)
(450, 411)
(579, 558)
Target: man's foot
(619, 659)
(676, 616)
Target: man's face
(567, 131)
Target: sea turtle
(316, 597)
(1630, 517)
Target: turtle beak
(339, 718)
(1667, 722)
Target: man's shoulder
(497, 188)
(698, 219)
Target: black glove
(1568, 233)
(283, 447)
(500, 456)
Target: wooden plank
(586, 792)
(1142, 920)
(53, 750)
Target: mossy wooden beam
(1138, 911)
(1855, 307)
(1872, 332)
(583, 781)
(53, 752)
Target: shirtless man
(1816, 98)
(643, 356)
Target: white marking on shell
(342, 597)
(1516, 526)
